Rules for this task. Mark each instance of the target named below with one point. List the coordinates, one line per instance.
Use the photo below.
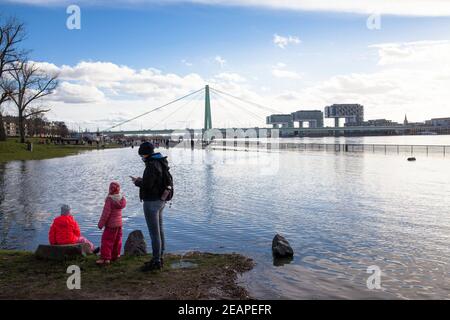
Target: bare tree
(30, 85)
(11, 34)
(36, 123)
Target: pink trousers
(111, 243)
(84, 240)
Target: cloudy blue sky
(131, 56)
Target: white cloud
(412, 78)
(412, 52)
(394, 7)
(123, 82)
(279, 71)
(283, 42)
(76, 93)
(232, 77)
(221, 61)
(92, 94)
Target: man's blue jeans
(153, 216)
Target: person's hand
(134, 179)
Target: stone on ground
(62, 252)
(281, 247)
(135, 244)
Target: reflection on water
(341, 213)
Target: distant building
(313, 117)
(283, 120)
(405, 122)
(380, 123)
(34, 127)
(439, 122)
(353, 113)
(11, 125)
(416, 124)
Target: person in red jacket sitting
(111, 220)
(65, 230)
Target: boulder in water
(135, 244)
(62, 252)
(281, 247)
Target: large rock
(281, 247)
(63, 252)
(135, 244)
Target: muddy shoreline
(194, 275)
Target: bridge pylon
(208, 121)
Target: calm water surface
(341, 213)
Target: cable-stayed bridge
(235, 109)
(230, 105)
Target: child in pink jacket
(111, 220)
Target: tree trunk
(2, 129)
(21, 128)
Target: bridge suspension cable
(255, 116)
(184, 105)
(248, 102)
(153, 110)
(230, 114)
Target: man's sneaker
(151, 261)
(152, 265)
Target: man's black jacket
(151, 185)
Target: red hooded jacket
(64, 230)
(112, 212)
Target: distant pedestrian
(111, 220)
(155, 188)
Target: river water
(342, 214)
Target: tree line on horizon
(22, 83)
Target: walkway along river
(342, 213)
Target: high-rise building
(353, 113)
(283, 120)
(313, 117)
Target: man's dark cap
(146, 148)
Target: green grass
(12, 149)
(25, 277)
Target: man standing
(153, 184)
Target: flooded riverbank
(341, 213)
